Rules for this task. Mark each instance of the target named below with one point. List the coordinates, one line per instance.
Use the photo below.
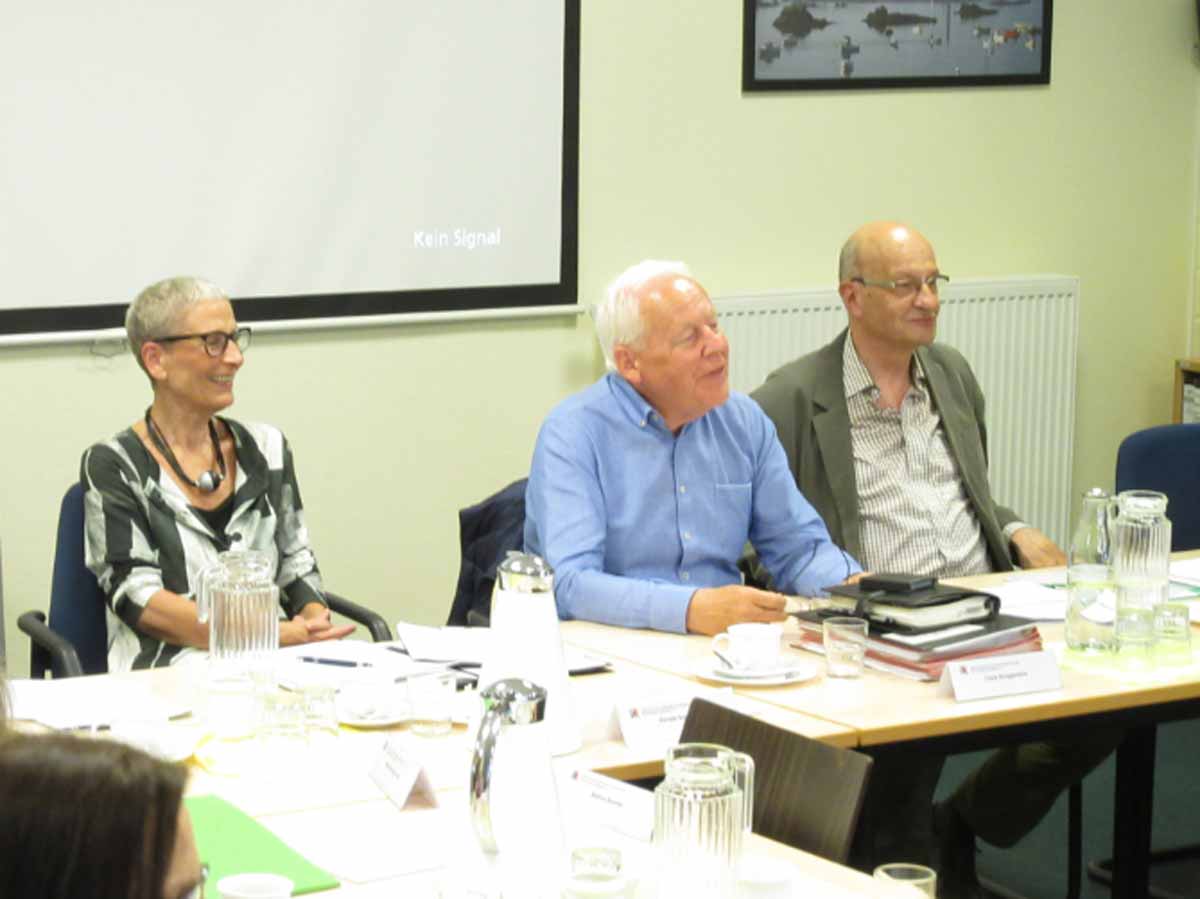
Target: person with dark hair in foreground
(84, 818)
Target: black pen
(340, 663)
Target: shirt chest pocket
(730, 524)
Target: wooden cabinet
(1186, 404)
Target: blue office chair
(1166, 459)
(75, 641)
(486, 532)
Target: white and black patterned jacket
(141, 535)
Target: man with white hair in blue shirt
(646, 486)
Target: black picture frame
(869, 44)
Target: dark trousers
(1002, 800)
(1005, 797)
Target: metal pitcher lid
(519, 701)
(525, 573)
(527, 564)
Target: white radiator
(1019, 336)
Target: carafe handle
(743, 779)
(203, 589)
(490, 729)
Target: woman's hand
(313, 624)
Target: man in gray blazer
(885, 435)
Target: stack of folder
(914, 633)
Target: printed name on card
(652, 725)
(403, 780)
(1026, 672)
(623, 807)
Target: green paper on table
(231, 842)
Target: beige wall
(396, 428)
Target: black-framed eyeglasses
(214, 342)
(907, 287)
(197, 890)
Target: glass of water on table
(845, 642)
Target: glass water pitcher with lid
(1091, 607)
(1141, 559)
(702, 810)
(239, 600)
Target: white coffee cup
(254, 886)
(751, 646)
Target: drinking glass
(283, 728)
(596, 872)
(921, 880)
(845, 646)
(320, 712)
(1172, 634)
(432, 698)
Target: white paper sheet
(82, 702)
(1032, 599)
(370, 841)
(1187, 571)
(372, 663)
(471, 644)
(1055, 577)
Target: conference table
(322, 802)
(891, 713)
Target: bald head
(888, 281)
(877, 247)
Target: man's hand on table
(313, 624)
(713, 609)
(1035, 550)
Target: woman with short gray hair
(165, 496)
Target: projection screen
(319, 161)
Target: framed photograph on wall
(792, 45)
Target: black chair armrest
(47, 649)
(373, 621)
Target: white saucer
(368, 708)
(371, 721)
(792, 673)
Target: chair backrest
(1166, 459)
(806, 794)
(486, 532)
(77, 603)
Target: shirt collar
(632, 403)
(857, 379)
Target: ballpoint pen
(340, 663)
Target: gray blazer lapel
(958, 424)
(966, 447)
(831, 423)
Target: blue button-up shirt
(634, 519)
